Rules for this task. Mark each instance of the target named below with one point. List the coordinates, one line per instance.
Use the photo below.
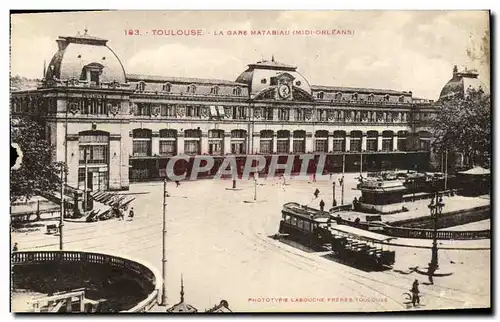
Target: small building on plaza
(381, 196)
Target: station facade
(112, 128)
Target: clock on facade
(284, 91)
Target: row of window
(167, 88)
(357, 97)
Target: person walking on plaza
(415, 298)
(177, 183)
(316, 193)
(322, 205)
(430, 273)
(15, 248)
(131, 213)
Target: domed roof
(461, 83)
(260, 75)
(77, 52)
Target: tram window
(307, 226)
(300, 223)
(287, 218)
(294, 221)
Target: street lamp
(341, 182)
(333, 202)
(436, 209)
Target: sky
(401, 50)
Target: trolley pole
(164, 246)
(61, 217)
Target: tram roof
(305, 212)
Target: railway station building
(112, 128)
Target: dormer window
(167, 87)
(191, 88)
(371, 97)
(338, 96)
(215, 90)
(141, 86)
(91, 73)
(401, 99)
(237, 91)
(320, 95)
(386, 98)
(354, 96)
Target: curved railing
(143, 270)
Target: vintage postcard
(250, 161)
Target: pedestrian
(322, 205)
(15, 248)
(415, 298)
(177, 183)
(131, 213)
(314, 177)
(316, 193)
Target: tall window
(299, 114)
(356, 137)
(299, 141)
(320, 95)
(268, 113)
(266, 141)
(191, 88)
(239, 112)
(141, 142)
(321, 141)
(402, 140)
(192, 141)
(387, 140)
(214, 90)
(216, 142)
(167, 110)
(237, 91)
(283, 141)
(424, 140)
(168, 142)
(371, 141)
(143, 109)
(238, 141)
(339, 141)
(283, 114)
(167, 87)
(322, 115)
(141, 86)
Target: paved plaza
(221, 246)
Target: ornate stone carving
(364, 116)
(331, 116)
(227, 112)
(113, 108)
(132, 108)
(74, 108)
(204, 111)
(257, 113)
(181, 111)
(308, 113)
(155, 110)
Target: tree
(37, 172)
(463, 125)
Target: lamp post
(436, 209)
(341, 182)
(255, 189)
(164, 244)
(61, 217)
(333, 192)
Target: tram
(313, 228)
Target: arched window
(266, 141)
(401, 99)
(371, 98)
(237, 91)
(141, 86)
(372, 141)
(216, 142)
(214, 90)
(386, 98)
(192, 141)
(283, 141)
(387, 140)
(141, 142)
(354, 96)
(403, 140)
(320, 95)
(167, 87)
(191, 88)
(168, 142)
(356, 137)
(238, 141)
(299, 141)
(338, 96)
(321, 141)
